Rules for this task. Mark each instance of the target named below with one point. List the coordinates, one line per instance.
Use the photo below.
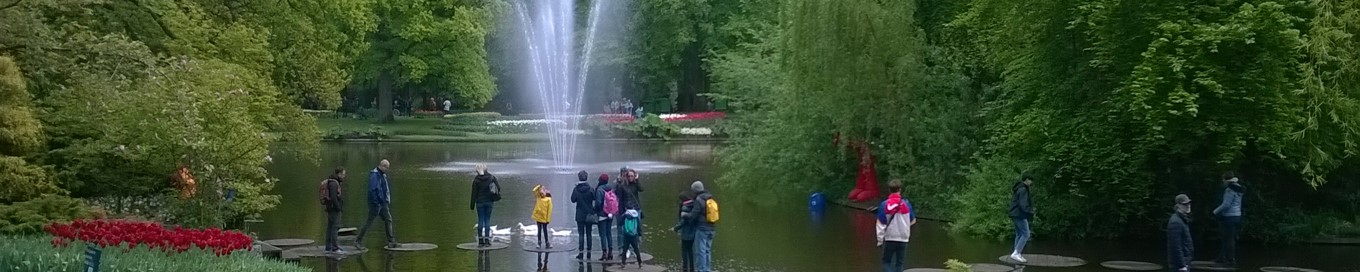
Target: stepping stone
(268, 251)
(289, 242)
(348, 231)
(1287, 269)
(474, 247)
(632, 259)
(319, 251)
(413, 247)
(986, 267)
(535, 248)
(926, 270)
(1131, 266)
(1042, 260)
(635, 268)
(1211, 266)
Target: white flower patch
(524, 122)
(696, 131)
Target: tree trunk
(385, 97)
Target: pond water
(430, 202)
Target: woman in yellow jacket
(543, 214)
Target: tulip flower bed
(130, 234)
(33, 253)
(669, 117)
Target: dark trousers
(376, 210)
(686, 255)
(631, 242)
(583, 241)
(1231, 226)
(607, 235)
(543, 238)
(894, 254)
(332, 230)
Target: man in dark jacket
(1021, 210)
(379, 203)
(485, 192)
(703, 230)
(1180, 248)
(584, 197)
(334, 203)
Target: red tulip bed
(130, 234)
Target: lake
(431, 204)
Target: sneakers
(360, 246)
(393, 245)
(1016, 256)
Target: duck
(559, 232)
(499, 232)
(527, 229)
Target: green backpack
(630, 226)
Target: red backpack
(324, 198)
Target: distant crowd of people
(603, 207)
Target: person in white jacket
(895, 218)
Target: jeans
(332, 229)
(543, 238)
(376, 210)
(583, 241)
(484, 219)
(1231, 226)
(894, 254)
(686, 255)
(703, 251)
(1021, 233)
(606, 234)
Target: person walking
(895, 218)
(686, 229)
(608, 207)
(379, 203)
(1229, 213)
(586, 215)
(485, 191)
(1180, 247)
(705, 215)
(1021, 210)
(333, 203)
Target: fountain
(558, 74)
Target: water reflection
(388, 262)
(483, 261)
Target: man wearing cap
(1180, 248)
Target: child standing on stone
(686, 228)
(631, 236)
(543, 214)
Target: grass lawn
(408, 129)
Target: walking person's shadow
(388, 256)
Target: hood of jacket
(1236, 187)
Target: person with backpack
(485, 191)
(543, 215)
(331, 200)
(632, 234)
(379, 204)
(686, 228)
(586, 215)
(608, 207)
(628, 191)
(1229, 213)
(895, 218)
(1020, 212)
(704, 216)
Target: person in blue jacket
(1180, 248)
(379, 204)
(1021, 211)
(1229, 213)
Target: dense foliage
(29, 217)
(1114, 105)
(36, 253)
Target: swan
(527, 229)
(559, 232)
(499, 232)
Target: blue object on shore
(817, 202)
(92, 255)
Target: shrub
(373, 132)
(652, 126)
(29, 217)
(982, 206)
(472, 117)
(35, 253)
(957, 266)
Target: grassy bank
(492, 127)
(407, 129)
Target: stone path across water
(634, 268)
(1043, 260)
(1211, 266)
(1131, 266)
(987, 267)
(474, 247)
(1287, 269)
(413, 247)
(319, 251)
(289, 242)
(645, 258)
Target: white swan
(528, 229)
(499, 232)
(559, 232)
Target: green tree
(20, 135)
